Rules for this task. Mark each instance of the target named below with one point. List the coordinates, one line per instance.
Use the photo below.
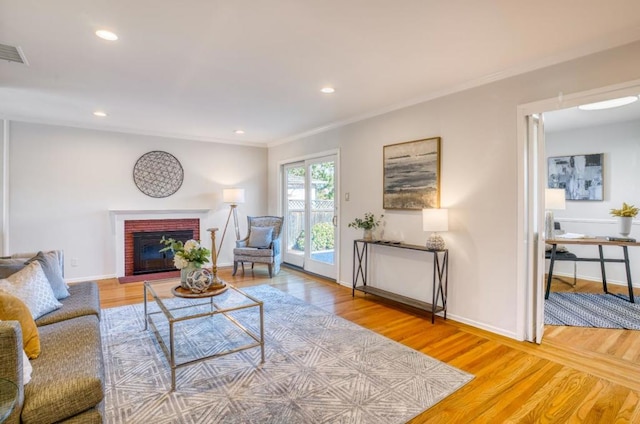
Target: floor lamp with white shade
(232, 196)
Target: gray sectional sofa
(67, 380)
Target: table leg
(359, 271)
(356, 256)
(446, 282)
(552, 260)
(434, 300)
(604, 274)
(145, 306)
(262, 331)
(628, 269)
(173, 357)
(443, 279)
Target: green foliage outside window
(322, 176)
(322, 237)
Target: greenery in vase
(187, 253)
(368, 223)
(628, 211)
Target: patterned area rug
(591, 310)
(319, 368)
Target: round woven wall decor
(158, 174)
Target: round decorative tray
(214, 290)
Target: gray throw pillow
(51, 268)
(260, 237)
(10, 266)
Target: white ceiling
(572, 118)
(200, 69)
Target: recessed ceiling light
(608, 104)
(100, 113)
(328, 90)
(106, 35)
(239, 131)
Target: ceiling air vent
(12, 54)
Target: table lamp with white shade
(554, 199)
(435, 220)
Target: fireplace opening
(147, 257)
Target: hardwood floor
(622, 345)
(576, 375)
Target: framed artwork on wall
(158, 174)
(412, 174)
(579, 175)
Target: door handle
(335, 220)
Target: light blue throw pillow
(51, 268)
(260, 237)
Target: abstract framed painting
(579, 175)
(412, 174)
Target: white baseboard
(89, 278)
(483, 326)
(594, 280)
(472, 323)
(107, 276)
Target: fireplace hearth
(147, 258)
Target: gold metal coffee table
(175, 317)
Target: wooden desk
(594, 242)
(440, 276)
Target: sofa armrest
(11, 362)
(243, 242)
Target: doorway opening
(533, 124)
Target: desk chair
(565, 255)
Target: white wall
(63, 182)
(479, 182)
(620, 144)
(4, 204)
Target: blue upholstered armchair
(261, 245)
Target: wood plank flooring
(576, 375)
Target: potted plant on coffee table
(625, 216)
(368, 224)
(187, 257)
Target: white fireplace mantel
(119, 216)
(117, 212)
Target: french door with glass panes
(311, 218)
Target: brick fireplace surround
(147, 225)
(126, 222)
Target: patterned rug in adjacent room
(319, 368)
(592, 310)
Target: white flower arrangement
(180, 262)
(188, 253)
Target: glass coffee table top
(176, 307)
(8, 398)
